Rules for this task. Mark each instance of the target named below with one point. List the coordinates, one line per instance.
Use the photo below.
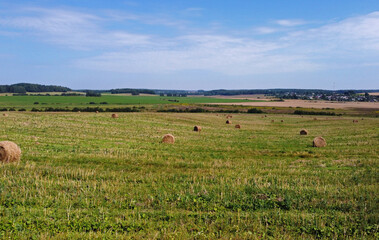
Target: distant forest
(132, 91)
(28, 87)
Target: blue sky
(203, 44)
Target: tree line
(29, 87)
(132, 91)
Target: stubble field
(87, 175)
(320, 104)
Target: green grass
(92, 176)
(82, 101)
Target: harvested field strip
(91, 175)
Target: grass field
(28, 102)
(87, 176)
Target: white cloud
(356, 37)
(73, 29)
(125, 51)
(265, 30)
(300, 51)
(222, 54)
(230, 62)
(359, 32)
(290, 22)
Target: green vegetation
(86, 175)
(87, 109)
(81, 101)
(132, 91)
(93, 94)
(254, 110)
(302, 112)
(28, 87)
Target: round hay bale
(114, 115)
(303, 132)
(228, 122)
(9, 152)
(238, 126)
(319, 142)
(5, 115)
(97, 111)
(315, 119)
(281, 121)
(168, 138)
(197, 128)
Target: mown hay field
(88, 175)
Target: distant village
(348, 96)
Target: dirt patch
(308, 104)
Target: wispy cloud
(166, 61)
(121, 49)
(194, 11)
(306, 50)
(222, 54)
(265, 30)
(9, 34)
(347, 36)
(290, 22)
(158, 20)
(71, 28)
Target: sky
(191, 45)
